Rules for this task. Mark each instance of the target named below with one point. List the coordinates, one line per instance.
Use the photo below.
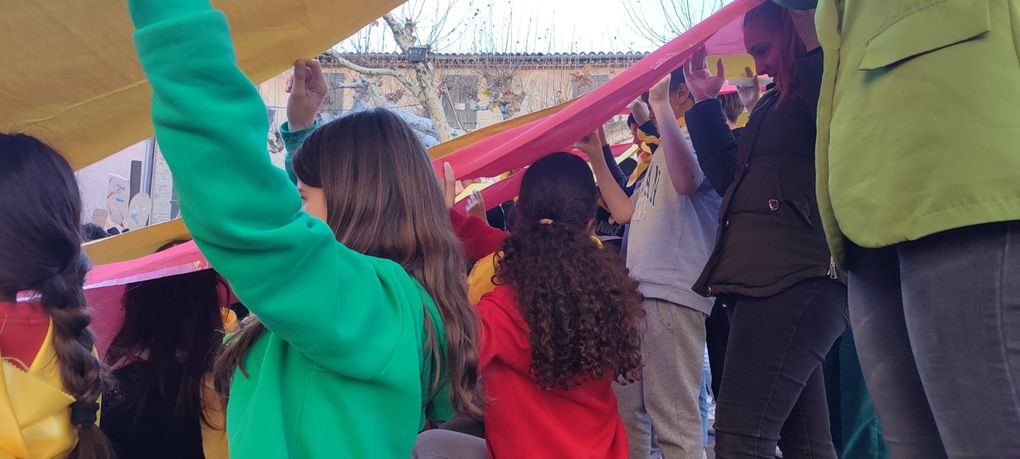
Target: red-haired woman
(771, 265)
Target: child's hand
(639, 109)
(749, 95)
(660, 91)
(476, 205)
(590, 145)
(307, 88)
(448, 184)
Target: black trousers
(773, 391)
(717, 333)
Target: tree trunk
(404, 34)
(433, 105)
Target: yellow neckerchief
(35, 418)
(480, 279)
(214, 434)
(645, 155)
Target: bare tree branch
(677, 16)
(411, 86)
(405, 39)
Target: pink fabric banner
(105, 285)
(181, 259)
(506, 189)
(516, 148)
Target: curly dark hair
(580, 304)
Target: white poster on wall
(118, 191)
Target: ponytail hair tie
(546, 221)
(84, 413)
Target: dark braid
(81, 371)
(40, 251)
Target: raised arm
(684, 172)
(286, 266)
(607, 153)
(479, 239)
(808, 68)
(620, 205)
(714, 143)
(307, 89)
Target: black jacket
(770, 232)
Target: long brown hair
(773, 17)
(40, 251)
(579, 302)
(383, 200)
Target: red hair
(772, 17)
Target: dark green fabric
(856, 433)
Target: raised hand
(448, 183)
(307, 88)
(702, 84)
(660, 91)
(639, 109)
(749, 95)
(590, 145)
(476, 205)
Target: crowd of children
(384, 323)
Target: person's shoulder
(499, 297)
(499, 303)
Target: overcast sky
(538, 25)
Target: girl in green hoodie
(348, 295)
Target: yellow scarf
(35, 419)
(645, 155)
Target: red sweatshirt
(479, 239)
(23, 328)
(523, 420)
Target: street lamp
(418, 54)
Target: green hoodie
(437, 408)
(338, 374)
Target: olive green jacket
(918, 130)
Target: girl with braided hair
(51, 379)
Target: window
(462, 100)
(581, 88)
(334, 101)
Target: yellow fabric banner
(73, 79)
(135, 244)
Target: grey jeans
(666, 398)
(448, 444)
(937, 323)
